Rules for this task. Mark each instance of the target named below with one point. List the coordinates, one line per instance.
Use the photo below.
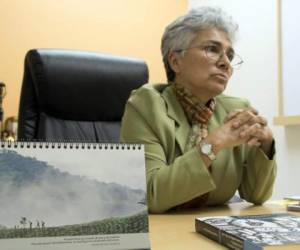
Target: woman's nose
(224, 61)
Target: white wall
(290, 37)
(257, 80)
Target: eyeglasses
(216, 52)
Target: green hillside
(137, 223)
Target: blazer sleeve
(258, 176)
(168, 184)
(259, 171)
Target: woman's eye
(212, 49)
(230, 56)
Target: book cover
(67, 196)
(252, 232)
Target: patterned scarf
(198, 115)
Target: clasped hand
(244, 126)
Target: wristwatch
(206, 149)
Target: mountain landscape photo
(35, 197)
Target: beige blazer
(175, 175)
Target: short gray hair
(180, 33)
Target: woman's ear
(174, 62)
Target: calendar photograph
(65, 197)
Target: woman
(200, 145)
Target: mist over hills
(33, 189)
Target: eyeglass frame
(204, 48)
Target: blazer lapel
(175, 112)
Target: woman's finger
(254, 142)
(232, 114)
(250, 131)
(244, 116)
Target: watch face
(206, 149)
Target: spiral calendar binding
(70, 145)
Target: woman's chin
(220, 88)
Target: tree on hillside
(23, 222)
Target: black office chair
(75, 95)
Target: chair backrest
(76, 95)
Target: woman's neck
(204, 99)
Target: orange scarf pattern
(198, 114)
(195, 110)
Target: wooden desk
(177, 231)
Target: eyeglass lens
(216, 52)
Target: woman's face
(203, 76)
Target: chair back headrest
(77, 86)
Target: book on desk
(252, 232)
(295, 203)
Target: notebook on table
(72, 196)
